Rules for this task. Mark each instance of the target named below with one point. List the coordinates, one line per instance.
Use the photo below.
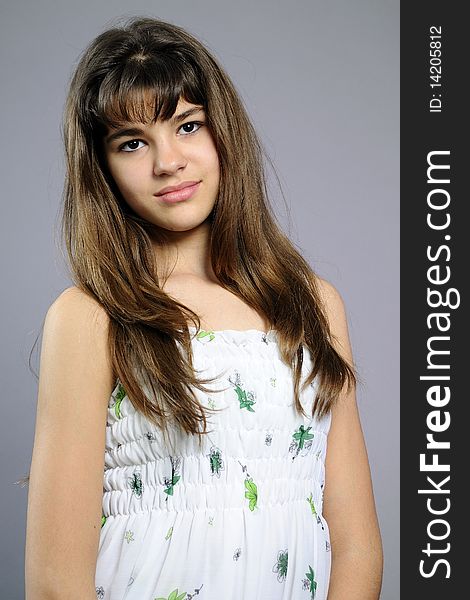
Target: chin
(185, 226)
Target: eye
(191, 124)
(131, 149)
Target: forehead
(140, 105)
(145, 112)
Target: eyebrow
(130, 131)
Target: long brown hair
(111, 249)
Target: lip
(175, 188)
(179, 195)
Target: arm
(349, 508)
(66, 475)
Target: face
(145, 159)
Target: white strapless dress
(241, 517)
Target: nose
(168, 157)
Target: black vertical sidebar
(434, 261)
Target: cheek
(212, 160)
(127, 180)
(208, 156)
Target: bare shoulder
(331, 297)
(75, 337)
(336, 314)
(75, 303)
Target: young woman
(197, 362)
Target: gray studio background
(321, 82)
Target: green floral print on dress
(301, 441)
(246, 399)
(170, 482)
(310, 583)
(174, 596)
(211, 402)
(183, 596)
(281, 565)
(129, 536)
(136, 485)
(251, 493)
(314, 512)
(205, 335)
(118, 398)
(215, 461)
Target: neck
(185, 252)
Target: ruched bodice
(238, 517)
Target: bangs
(146, 88)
